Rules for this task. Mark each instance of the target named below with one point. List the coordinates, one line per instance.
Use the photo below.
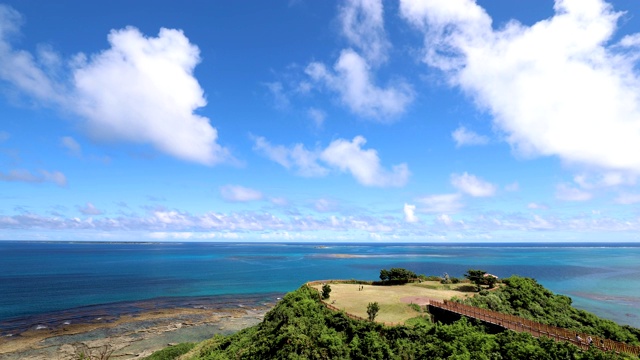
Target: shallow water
(50, 283)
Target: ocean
(49, 283)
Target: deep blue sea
(40, 280)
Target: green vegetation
(326, 290)
(372, 310)
(480, 277)
(300, 327)
(172, 352)
(526, 298)
(397, 275)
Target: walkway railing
(534, 328)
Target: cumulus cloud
(465, 137)
(363, 26)
(89, 209)
(472, 185)
(237, 193)
(342, 155)
(441, 203)
(22, 175)
(559, 87)
(410, 213)
(569, 193)
(364, 165)
(140, 90)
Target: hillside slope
(300, 327)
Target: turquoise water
(40, 279)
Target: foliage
(397, 275)
(300, 327)
(526, 298)
(372, 310)
(415, 307)
(480, 277)
(326, 290)
(429, 277)
(171, 352)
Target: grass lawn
(393, 300)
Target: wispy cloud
(441, 203)
(569, 193)
(341, 155)
(472, 185)
(237, 193)
(22, 175)
(465, 137)
(89, 209)
(352, 76)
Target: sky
(320, 121)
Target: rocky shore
(129, 337)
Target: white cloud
(70, 144)
(89, 209)
(363, 26)
(324, 205)
(280, 201)
(558, 87)
(537, 206)
(442, 203)
(236, 193)
(301, 160)
(410, 213)
(280, 98)
(514, 186)
(569, 193)
(342, 155)
(472, 185)
(465, 137)
(353, 81)
(140, 90)
(628, 199)
(21, 175)
(364, 165)
(444, 219)
(318, 116)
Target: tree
(397, 275)
(326, 290)
(372, 310)
(477, 277)
(384, 274)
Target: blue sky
(428, 121)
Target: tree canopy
(397, 275)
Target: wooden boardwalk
(536, 329)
